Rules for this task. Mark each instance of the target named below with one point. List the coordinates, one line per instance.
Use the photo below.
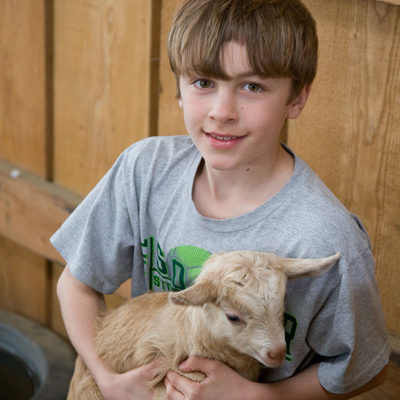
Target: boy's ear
(180, 102)
(296, 106)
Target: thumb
(153, 369)
(196, 363)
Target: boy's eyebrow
(241, 75)
(246, 73)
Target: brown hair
(280, 36)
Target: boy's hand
(130, 385)
(221, 382)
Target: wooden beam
(396, 2)
(32, 209)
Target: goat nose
(278, 353)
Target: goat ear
(298, 267)
(196, 295)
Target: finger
(157, 363)
(182, 384)
(152, 369)
(171, 391)
(195, 363)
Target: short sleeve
(349, 331)
(97, 240)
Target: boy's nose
(223, 108)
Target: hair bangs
(280, 37)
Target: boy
(242, 68)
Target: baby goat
(233, 313)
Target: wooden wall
(23, 140)
(101, 85)
(80, 80)
(350, 132)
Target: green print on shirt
(175, 271)
(181, 266)
(290, 324)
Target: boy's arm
(223, 383)
(80, 306)
(306, 385)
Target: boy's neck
(229, 194)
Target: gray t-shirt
(140, 221)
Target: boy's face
(236, 123)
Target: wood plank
(396, 2)
(22, 84)
(154, 81)
(23, 282)
(102, 72)
(170, 117)
(23, 140)
(31, 223)
(349, 130)
(31, 209)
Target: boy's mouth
(222, 137)
(222, 141)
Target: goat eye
(233, 318)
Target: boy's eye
(253, 87)
(203, 83)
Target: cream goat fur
(245, 286)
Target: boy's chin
(221, 163)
